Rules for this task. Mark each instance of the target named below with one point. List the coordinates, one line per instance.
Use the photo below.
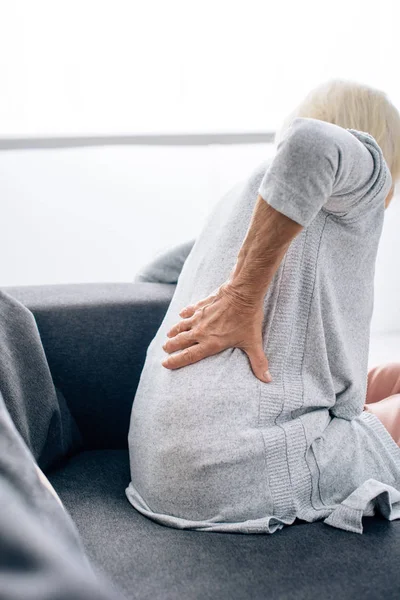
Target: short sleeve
(321, 165)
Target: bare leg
(383, 397)
(388, 412)
(383, 381)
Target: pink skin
(383, 397)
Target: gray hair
(353, 105)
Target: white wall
(129, 66)
(98, 214)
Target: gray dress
(213, 448)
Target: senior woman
(249, 411)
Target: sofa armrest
(95, 337)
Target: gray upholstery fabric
(95, 337)
(37, 409)
(151, 561)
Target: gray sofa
(95, 337)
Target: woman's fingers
(184, 325)
(193, 352)
(259, 363)
(188, 356)
(179, 342)
(189, 311)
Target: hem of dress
(267, 524)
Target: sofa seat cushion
(151, 561)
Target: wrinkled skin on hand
(225, 319)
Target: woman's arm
(267, 240)
(317, 164)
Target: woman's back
(211, 446)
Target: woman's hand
(232, 317)
(222, 320)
